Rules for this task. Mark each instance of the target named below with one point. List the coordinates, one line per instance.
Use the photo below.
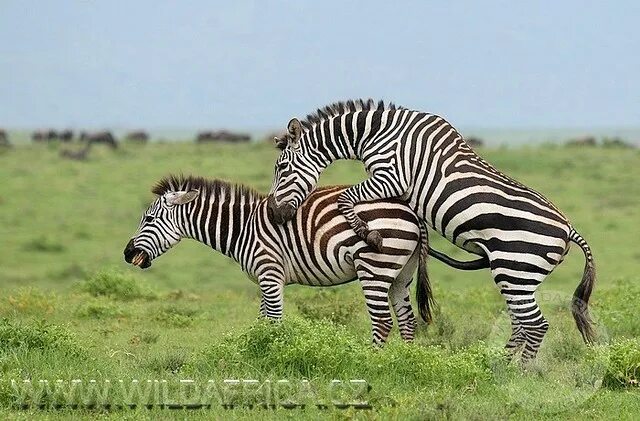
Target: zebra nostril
(129, 251)
(288, 212)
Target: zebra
(317, 248)
(423, 160)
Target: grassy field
(72, 309)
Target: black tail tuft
(580, 301)
(424, 295)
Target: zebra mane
(336, 109)
(342, 107)
(211, 187)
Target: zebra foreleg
(272, 300)
(379, 186)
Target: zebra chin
(136, 256)
(279, 214)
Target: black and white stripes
(420, 158)
(317, 248)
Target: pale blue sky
(253, 65)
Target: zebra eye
(283, 166)
(149, 218)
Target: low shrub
(332, 305)
(294, 346)
(301, 348)
(99, 310)
(616, 308)
(40, 335)
(44, 244)
(146, 337)
(177, 316)
(624, 364)
(170, 362)
(117, 286)
(32, 301)
(73, 271)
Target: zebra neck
(220, 221)
(346, 136)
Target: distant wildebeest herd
(105, 137)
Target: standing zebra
(423, 160)
(318, 248)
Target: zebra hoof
(374, 239)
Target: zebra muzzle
(136, 256)
(279, 214)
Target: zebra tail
(424, 295)
(580, 301)
(481, 263)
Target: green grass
(70, 308)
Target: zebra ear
(181, 197)
(280, 143)
(295, 130)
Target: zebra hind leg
(376, 294)
(401, 304)
(400, 301)
(531, 325)
(517, 339)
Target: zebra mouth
(135, 256)
(141, 259)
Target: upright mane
(342, 107)
(211, 187)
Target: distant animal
(51, 135)
(318, 248)
(422, 159)
(39, 136)
(222, 136)
(206, 136)
(138, 136)
(474, 142)
(66, 135)
(582, 141)
(77, 155)
(103, 137)
(4, 138)
(615, 142)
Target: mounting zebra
(318, 248)
(420, 158)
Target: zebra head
(295, 174)
(159, 228)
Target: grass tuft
(35, 336)
(32, 301)
(118, 286)
(330, 304)
(177, 316)
(624, 364)
(99, 310)
(43, 244)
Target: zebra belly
(320, 277)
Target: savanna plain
(72, 309)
